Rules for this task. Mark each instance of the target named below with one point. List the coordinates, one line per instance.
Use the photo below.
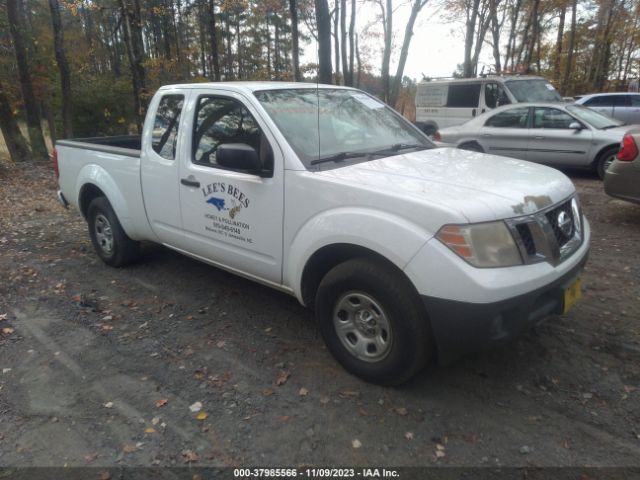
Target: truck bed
(128, 145)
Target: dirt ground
(104, 367)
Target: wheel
(109, 240)
(605, 159)
(373, 321)
(472, 147)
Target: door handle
(473, 112)
(190, 183)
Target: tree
(323, 21)
(295, 49)
(16, 144)
(16, 27)
(132, 28)
(387, 24)
(63, 67)
(404, 52)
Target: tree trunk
(323, 20)
(572, 38)
(343, 42)
(16, 143)
(359, 62)
(295, 49)
(556, 64)
(63, 66)
(404, 52)
(213, 38)
(472, 18)
(36, 138)
(352, 29)
(496, 26)
(387, 22)
(132, 28)
(336, 41)
(511, 44)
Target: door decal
(227, 202)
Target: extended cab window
(464, 95)
(551, 118)
(165, 126)
(514, 118)
(221, 120)
(603, 101)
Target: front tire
(472, 147)
(373, 322)
(109, 240)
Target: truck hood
(476, 186)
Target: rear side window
(605, 101)
(514, 118)
(464, 95)
(635, 100)
(165, 126)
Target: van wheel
(472, 147)
(373, 322)
(109, 240)
(605, 159)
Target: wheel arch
(601, 152)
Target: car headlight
(482, 244)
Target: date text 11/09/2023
(365, 473)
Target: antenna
(318, 95)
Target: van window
(534, 90)
(635, 100)
(495, 96)
(464, 95)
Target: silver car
(625, 106)
(554, 134)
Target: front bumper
(463, 327)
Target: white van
(445, 103)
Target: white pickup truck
(406, 252)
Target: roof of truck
(250, 86)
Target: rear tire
(110, 241)
(605, 159)
(373, 321)
(472, 147)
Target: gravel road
(172, 362)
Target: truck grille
(551, 235)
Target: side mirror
(576, 126)
(238, 156)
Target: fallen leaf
(202, 416)
(107, 327)
(324, 400)
(267, 392)
(408, 435)
(283, 376)
(440, 454)
(3, 317)
(150, 430)
(355, 443)
(402, 411)
(284, 418)
(189, 456)
(155, 420)
(108, 405)
(90, 457)
(7, 330)
(196, 407)
(303, 392)
(130, 449)
(221, 344)
(162, 402)
(189, 317)
(349, 393)
(104, 476)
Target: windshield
(337, 124)
(538, 90)
(593, 118)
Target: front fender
(391, 236)
(98, 176)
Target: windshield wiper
(613, 126)
(339, 157)
(404, 146)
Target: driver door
(230, 217)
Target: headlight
(482, 244)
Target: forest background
(83, 68)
